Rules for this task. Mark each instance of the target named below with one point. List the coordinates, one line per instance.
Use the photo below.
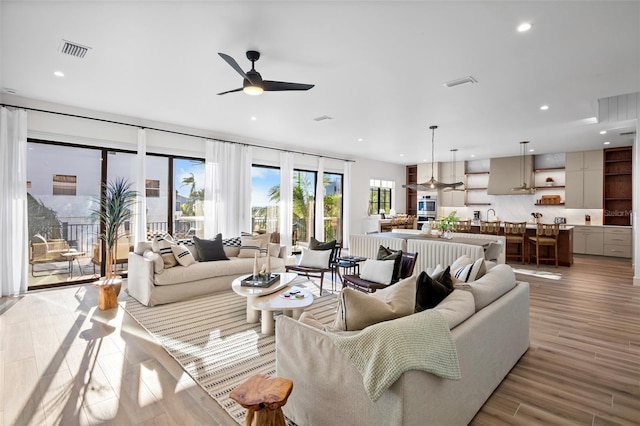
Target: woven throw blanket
(383, 351)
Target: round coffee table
(293, 306)
(253, 293)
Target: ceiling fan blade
(235, 66)
(278, 86)
(230, 91)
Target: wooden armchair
(42, 250)
(406, 270)
(318, 272)
(122, 253)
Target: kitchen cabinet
(617, 241)
(583, 180)
(588, 240)
(617, 182)
(451, 172)
(411, 203)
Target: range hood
(505, 173)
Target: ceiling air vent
(631, 133)
(459, 81)
(323, 117)
(73, 49)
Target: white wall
(361, 172)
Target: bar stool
(514, 233)
(492, 228)
(462, 226)
(546, 235)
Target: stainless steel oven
(427, 207)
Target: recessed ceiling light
(401, 155)
(58, 73)
(531, 150)
(473, 155)
(603, 132)
(544, 107)
(607, 143)
(359, 139)
(525, 26)
(253, 118)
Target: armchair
(319, 271)
(42, 250)
(122, 253)
(406, 270)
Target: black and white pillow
(182, 255)
(232, 242)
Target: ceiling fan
(253, 83)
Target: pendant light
(432, 184)
(452, 174)
(524, 188)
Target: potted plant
(115, 207)
(550, 181)
(446, 223)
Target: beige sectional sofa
(328, 389)
(181, 283)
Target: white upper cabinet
(583, 180)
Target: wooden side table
(107, 297)
(263, 397)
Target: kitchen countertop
(529, 225)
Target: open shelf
(549, 205)
(477, 173)
(475, 189)
(550, 187)
(477, 204)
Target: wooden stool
(107, 298)
(264, 396)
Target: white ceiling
(378, 67)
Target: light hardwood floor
(64, 362)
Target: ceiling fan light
(253, 90)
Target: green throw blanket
(383, 351)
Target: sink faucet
(490, 210)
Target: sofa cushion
(385, 253)
(183, 255)
(319, 245)
(231, 251)
(471, 271)
(232, 242)
(315, 258)
(210, 250)
(456, 307)
(158, 264)
(164, 248)
(310, 320)
(378, 271)
(234, 267)
(496, 282)
(357, 310)
(252, 246)
(429, 292)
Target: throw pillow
(252, 246)
(274, 249)
(308, 319)
(319, 245)
(157, 238)
(315, 258)
(445, 278)
(357, 310)
(378, 271)
(158, 264)
(164, 249)
(471, 271)
(210, 250)
(232, 242)
(183, 255)
(460, 262)
(191, 245)
(435, 271)
(429, 292)
(385, 253)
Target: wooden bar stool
(514, 233)
(492, 228)
(546, 235)
(263, 396)
(462, 226)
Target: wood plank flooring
(62, 362)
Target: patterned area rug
(214, 344)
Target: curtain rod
(172, 132)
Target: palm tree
(189, 180)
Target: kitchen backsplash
(516, 208)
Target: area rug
(539, 274)
(211, 340)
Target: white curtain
(286, 199)
(13, 202)
(140, 219)
(227, 203)
(346, 203)
(319, 213)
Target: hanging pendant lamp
(524, 188)
(452, 174)
(432, 184)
